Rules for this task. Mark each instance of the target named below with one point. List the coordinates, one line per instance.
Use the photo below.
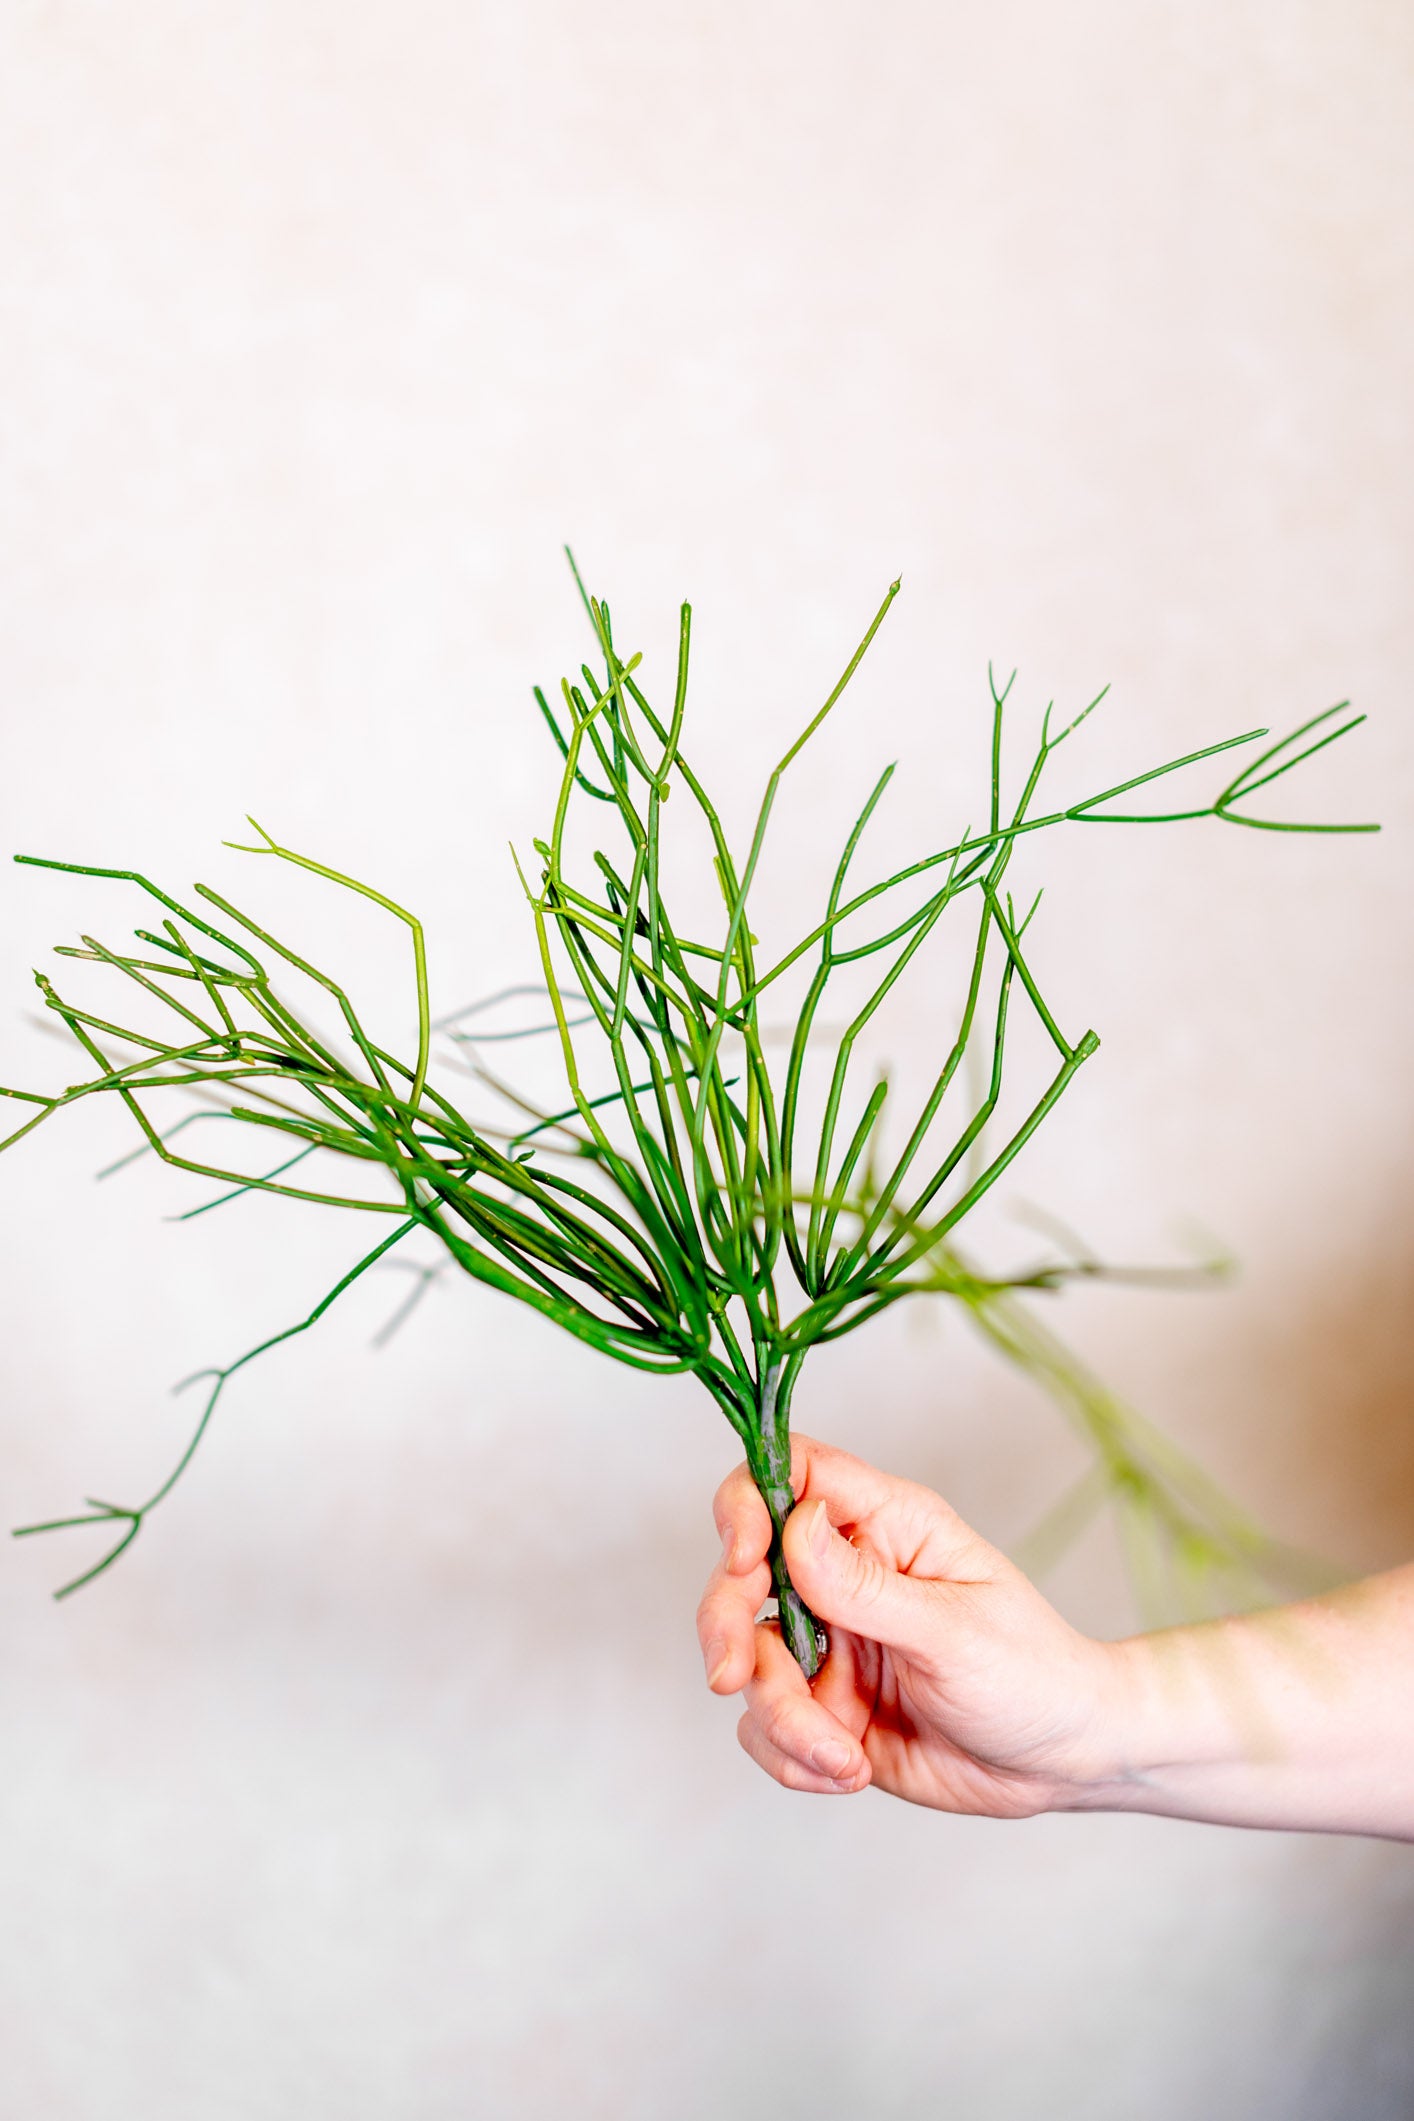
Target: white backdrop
(379, 1780)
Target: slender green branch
(674, 1234)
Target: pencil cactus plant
(696, 1205)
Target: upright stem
(768, 1455)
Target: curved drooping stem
(768, 1455)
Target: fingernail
(817, 1532)
(717, 1659)
(728, 1547)
(831, 1756)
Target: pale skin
(952, 1682)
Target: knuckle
(729, 1491)
(749, 1738)
(779, 1766)
(794, 1776)
(866, 1578)
(785, 1728)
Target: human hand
(950, 1680)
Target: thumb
(853, 1588)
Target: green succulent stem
(683, 1202)
(768, 1456)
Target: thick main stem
(769, 1458)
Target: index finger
(743, 1521)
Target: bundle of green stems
(696, 1205)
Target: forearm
(1300, 1718)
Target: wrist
(1299, 1717)
(1211, 1722)
(1156, 1723)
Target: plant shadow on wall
(725, 1185)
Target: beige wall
(380, 1780)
